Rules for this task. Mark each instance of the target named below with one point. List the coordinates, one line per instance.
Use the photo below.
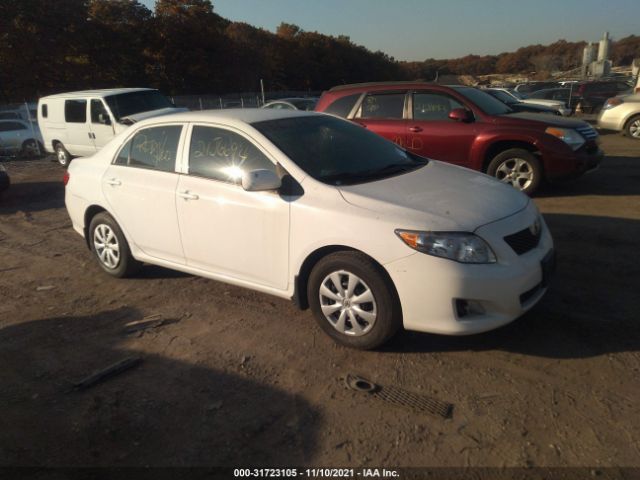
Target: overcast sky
(420, 29)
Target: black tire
(126, 265)
(62, 155)
(632, 128)
(30, 148)
(508, 161)
(385, 308)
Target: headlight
(612, 102)
(461, 247)
(567, 135)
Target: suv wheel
(63, 156)
(353, 301)
(632, 129)
(517, 167)
(110, 247)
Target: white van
(78, 124)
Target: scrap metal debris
(108, 372)
(400, 397)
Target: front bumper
(575, 164)
(608, 120)
(429, 287)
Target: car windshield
(503, 96)
(484, 101)
(125, 104)
(336, 151)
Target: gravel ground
(234, 377)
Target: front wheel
(62, 155)
(353, 301)
(110, 247)
(517, 167)
(31, 148)
(632, 129)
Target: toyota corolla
(316, 209)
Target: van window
(75, 111)
(153, 148)
(97, 109)
(45, 110)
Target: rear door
(101, 124)
(140, 186)
(384, 114)
(430, 131)
(12, 134)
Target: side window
(13, 126)
(223, 155)
(45, 110)
(342, 106)
(389, 105)
(99, 113)
(433, 107)
(154, 148)
(75, 111)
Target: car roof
(231, 116)
(96, 93)
(392, 85)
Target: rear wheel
(517, 167)
(632, 129)
(63, 156)
(110, 247)
(353, 301)
(31, 148)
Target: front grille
(588, 132)
(523, 241)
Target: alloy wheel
(515, 171)
(634, 128)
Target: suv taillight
(66, 177)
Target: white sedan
(316, 209)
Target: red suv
(468, 127)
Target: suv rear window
(342, 106)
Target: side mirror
(104, 119)
(461, 115)
(260, 180)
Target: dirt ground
(239, 378)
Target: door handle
(415, 129)
(114, 182)
(188, 196)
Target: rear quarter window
(343, 105)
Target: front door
(226, 230)
(140, 186)
(431, 133)
(101, 124)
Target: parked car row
(519, 103)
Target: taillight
(612, 102)
(66, 177)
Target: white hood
(439, 197)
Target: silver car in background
(622, 114)
(18, 137)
